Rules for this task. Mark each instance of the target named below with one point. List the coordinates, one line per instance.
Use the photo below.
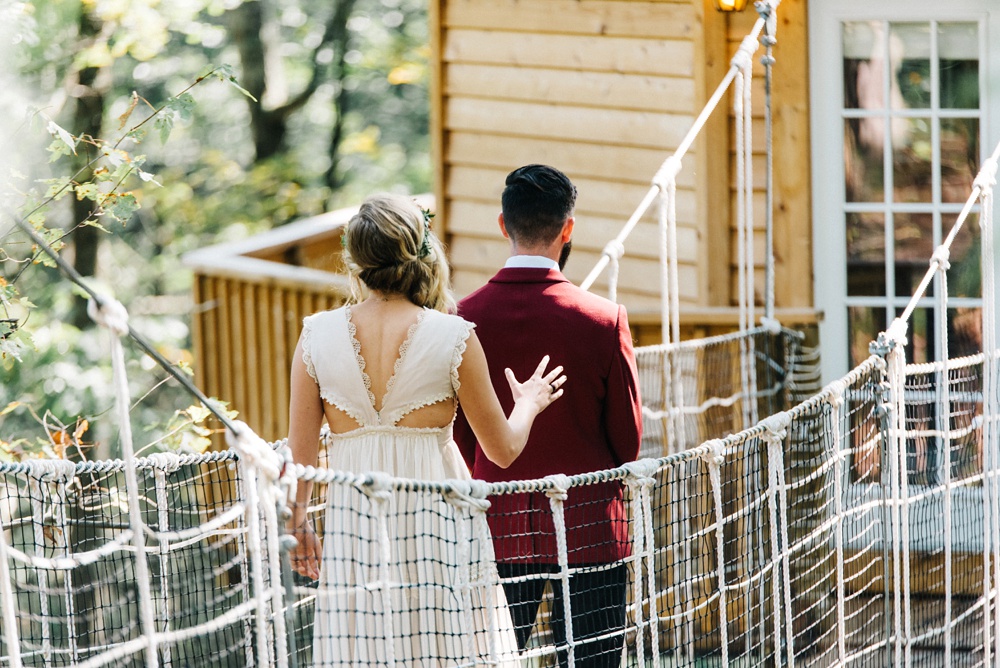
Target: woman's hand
(540, 390)
(306, 555)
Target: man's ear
(567, 230)
(503, 226)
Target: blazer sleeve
(623, 405)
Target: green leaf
(184, 105)
(164, 124)
(225, 73)
(61, 135)
(58, 149)
(57, 187)
(87, 191)
(121, 207)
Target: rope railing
(671, 166)
(682, 506)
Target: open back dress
(402, 565)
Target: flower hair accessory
(425, 246)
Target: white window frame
(827, 140)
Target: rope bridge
(857, 527)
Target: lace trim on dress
(343, 406)
(352, 332)
(307, 359)
(401, 412)
(403, 348)
(456, 355)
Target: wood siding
(602, 89)
(605, 90)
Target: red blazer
(521, 315)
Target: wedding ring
(552, 387)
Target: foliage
(171, 181)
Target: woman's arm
(305, 417)
(503, 438)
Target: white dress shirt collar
(530, 262)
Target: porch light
(730, 5)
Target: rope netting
(858, 527)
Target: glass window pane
(863, 166)
(965, 331)
(914, 245)
(964, 276)
(865, 254)
(911, 160)
(920, 335)
(864, 65)
(863, 323)
(958, 63)
(959, 157)
(910, 63)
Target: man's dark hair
(536, 202)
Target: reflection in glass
(959, 157)
(863, 323)
(919, 335)
(865, 254)
(911, 160)
(958, 64)
(914, 244)
(965, 331)
(910, 51)
(864, 65)
(964, 276)
(863, 166)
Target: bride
(387, 373)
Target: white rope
(985, 182)
(746, 192)
(254, 545)
(379, 490)
(774, 435)
(836, 401)
(613, 250)
(246, 561)
(895, 335)
(940, 260)
(715, 458)
(37, 500)
(270, 468)
(897, 357)
(112, 315)
(638, 551)
(60, 513)
(163, 524)
(766, 12)
(557, 492)
(640, 481)
(464, 575)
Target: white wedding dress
(412, 566)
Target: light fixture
(730, 5)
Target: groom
(529, 309)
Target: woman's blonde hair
(389, 246)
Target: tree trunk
(246, 24)
(270, 126)
(341, 99)
(87, 120)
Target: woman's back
(388, 378)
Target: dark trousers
(597, 601)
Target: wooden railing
(249, 300)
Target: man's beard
(564, 254)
